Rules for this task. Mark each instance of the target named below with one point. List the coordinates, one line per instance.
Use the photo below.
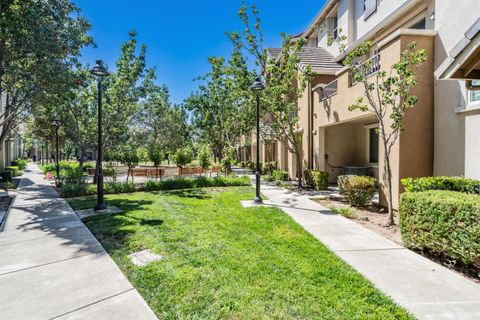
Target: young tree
(204, 157)
(182, 158)
(155, 154)
(222, 109)
(128, 156)
(388, 94)
(286, 83)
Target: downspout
(310, 126)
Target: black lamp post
(100, 71)
(257, 87)
(56, 124)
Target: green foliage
(269, 167)
(76, 190)
(459, 184)
(204, 157)
(142, 154)
(202, 233)
(444, 223)
(7, 176)
(21, 163)
(119, 187)
(341, 182)
(182, 158)
(317, 179)
(110, 171)
(269, 178)
(201, 182)
(347, 212)
(280, 175)
(360, 190)
(86, 166)
(71, 174)
(228, 158)
(14, 169)
(155, 153)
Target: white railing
(368, 67)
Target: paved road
(426, 289)
(52, 267)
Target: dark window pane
(373, 157)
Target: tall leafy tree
(40, 41)
(286, 83)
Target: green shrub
(341, 182)
(442, 222)
(86, 166)
(360, 190)
(77, 190)
(119, 187)
(72, 175)
(7, 176)
(201, 182)
(317, 179)
(280, 175)
(459, 184)
(268, 178)
(182, 158)
(14, 169)
(48, 167)
(21, 163)
(269, 167)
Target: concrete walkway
(52, 267)
(426, 289)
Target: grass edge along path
(223, 261)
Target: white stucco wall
(456, 135)
(384, 9)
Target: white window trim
(367, 144)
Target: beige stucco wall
(341, 133)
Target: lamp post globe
(56, 124)
(100, 71)
(257, 87)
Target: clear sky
(181, 34)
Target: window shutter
(370, 7)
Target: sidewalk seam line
(92, 303)
(50, 263)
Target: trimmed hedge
(442, 222)
(317, 179)
(360, 190)
(459, 184)
(14, 169)
(81, 190)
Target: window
(335, 27)
(369, 7)
(372, 144)
(420, 25)
(475, 94)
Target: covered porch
(350, 147)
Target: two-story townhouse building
(11, 148)
(439, 137)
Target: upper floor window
(420, 25)
(335, 27)
(475, 94)
(369, 7)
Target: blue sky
(181, 35)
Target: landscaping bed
(223, 261)
(372, 217)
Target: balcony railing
(329, 90)
(368, 67)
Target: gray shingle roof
(318, 58)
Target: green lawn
(227, 262)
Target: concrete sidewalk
(426, 289)
(52, 267)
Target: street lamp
(56, 124)
(258, 87)
(99, 71)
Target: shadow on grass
(190, 193)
